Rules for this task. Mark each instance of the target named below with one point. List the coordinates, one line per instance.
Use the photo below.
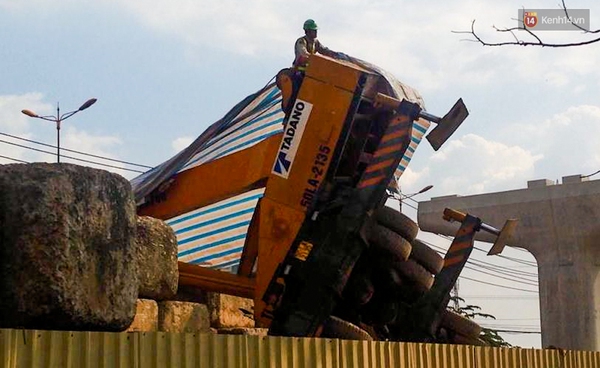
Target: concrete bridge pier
(560, 226)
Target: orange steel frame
(219, 179)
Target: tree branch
(564, 6)
(537, 41)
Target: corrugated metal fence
(27, 348)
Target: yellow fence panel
(63, 349)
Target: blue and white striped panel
(263, 101)
(264, 119)
(419, 129)
(214, 236)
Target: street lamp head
(29, 113)
(425, 189)
(87, 104)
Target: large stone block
(146, 316)
(67, 255)
(225, 311)
(182, 317)
(157, 259)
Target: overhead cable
(471, 265)
(14, 159)
(74, 151)
(70, 157)
(498, 285)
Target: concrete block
(540, 183)
(67, 255)
(156, 247)
(225, 311)
(183, 317)
(146, 316)
(441, 198)
(573, 179)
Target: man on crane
(288, 80)
(309, 44)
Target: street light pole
(58, 119)
(401, 197)
(57, 133)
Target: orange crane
(325, 178)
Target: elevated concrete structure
(560, 226)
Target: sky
(163, 71)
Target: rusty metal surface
(209, 279)
(28, 348)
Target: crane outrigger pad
(503, 237)
(447, 125)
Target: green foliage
(488, 335)
(492, 338)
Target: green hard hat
(310, 24)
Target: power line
(507, 319)
(14, 159)
(493, 268)
(524, 329)
(500, 273)
(527, 328)
(74, 151)
(501, 277)
(592, 174)
(410, 205)
(505, 271)
(70, 157)
(490, 266)
(497, 285)
(531, 297)
(507, 325)
(519, 332)
(522, 261)
(490, 283)
(490, 274)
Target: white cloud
(267, 29)
(472, 165)
(241, 27)
(418, 46)
(100, 146)
(410, 178)
(579, 89)
(77, 139)
(38, 6)
(14, 123)
(11, 118)
(10, 4)
(567, 140)
(181, 143)
(556, 79)
(546, 146)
